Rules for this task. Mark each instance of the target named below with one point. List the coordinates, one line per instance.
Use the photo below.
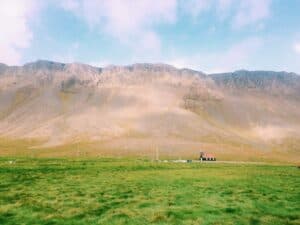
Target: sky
(206, 35)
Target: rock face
(142, 107)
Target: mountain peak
(264, 80)
(3, 67)
(44, 64)
(150, 67)
(81, 68)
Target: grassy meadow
(132, 191)
(36, 148)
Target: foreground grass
(111, 191)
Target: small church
(207, 157)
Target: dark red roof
(208, 155)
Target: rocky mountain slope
(145, 108)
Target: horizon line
(145, 63)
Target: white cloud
(251, 12)
(130, 22)
(241, 12)
(224, 5)
(71, 5)
(237, 56)
(296, 47)
(133, 23)
(149, 42)
(69, 54)
(15, 33)
(195, 7)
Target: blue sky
(207, 35)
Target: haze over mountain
(145, 108)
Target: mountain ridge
(38, 64)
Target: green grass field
(119, 191)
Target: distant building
(207, 157)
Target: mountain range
(56, 109)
